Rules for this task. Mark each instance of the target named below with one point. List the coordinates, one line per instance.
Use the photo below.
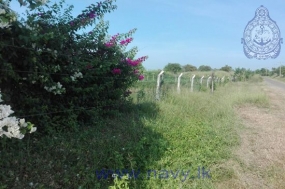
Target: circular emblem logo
(262, 37)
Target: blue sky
(204, 32)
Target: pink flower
(112, 41)
(141, 77)
(127, 41)
(92, 15)
(132, 62)
(136, 62)
(141, 59)
(136, 71)
(109, 44)
(114, 38)
(116, 71)
(122, 42)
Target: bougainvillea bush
(59, 76)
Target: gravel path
(274, 83)
(260, 159)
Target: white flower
(33, 129)
(5, 111)
(2, 11)
(57, 89)
(12, 124)
(13, 129)
(79, 75)
(13, 19)
(22, 121)
(59, 85)
(20, 136)
(28, 27)
(4, 25)
(76, 75)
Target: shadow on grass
(87, 158)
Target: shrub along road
(260, 159)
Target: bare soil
(260, 159)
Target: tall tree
(189, 68)
(173, 67)
(204, 68)
(226, 68)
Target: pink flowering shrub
(141, 77)
(116, 71)
(63, 78)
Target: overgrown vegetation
(74, 88)
(182, 132)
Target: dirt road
(274, 83)
(260, 159)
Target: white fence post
(208, 81)
(223, 78)
(212, 78)
(201, 80)
(178, 83)
(158, 85)
(192, 83)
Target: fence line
(196, 83)
(178, 83)
(192, 83)
(158, 85)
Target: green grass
(180, 132)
